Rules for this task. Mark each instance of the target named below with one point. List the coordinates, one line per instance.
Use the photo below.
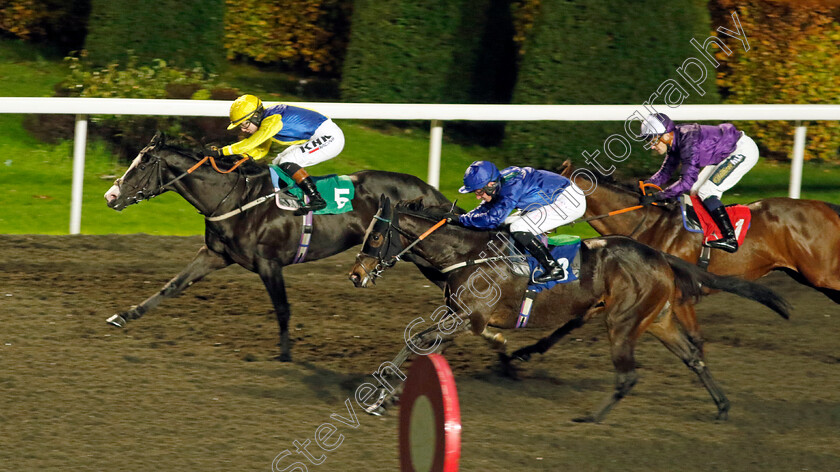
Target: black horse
(262, 238)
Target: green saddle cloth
(563, 239)
(337, 190)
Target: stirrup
(728, 245)
(557, 273)
(311, 206)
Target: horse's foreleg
(205, 262)
(431, 340)
(687, 317)
(544, 344)
(272, 276)
(677, 342)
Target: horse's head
(142, 180)
(379, 248)
(390, 236)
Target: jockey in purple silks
(543, 198)
(713, 158)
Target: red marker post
(430, 418)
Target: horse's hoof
(585, 419)
(117, 321)
(285, 357)
(722, 416)
(376, 411)
(522, 356)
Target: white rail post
(79, 141)
(435, 144)
(797, 161)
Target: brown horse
(633, 286)
(800, 237)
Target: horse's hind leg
(668, 332)
(205, 262)
(623, 331)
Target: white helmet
(656, 124)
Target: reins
(229, 214)
(642, 186)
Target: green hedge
(429, 51)
(59, 23)
(586, 52)
(300, 35)
(184, 33)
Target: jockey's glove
(648, 199)
(452, 218)
(213, 152)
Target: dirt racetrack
(193, 386)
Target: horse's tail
(691, 279)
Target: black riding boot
(302, 179)
(728, 242)
(551, 269)
(316, 202)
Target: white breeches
(326, 143)
(714, 180)
(567, 207)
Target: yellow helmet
(246, 107)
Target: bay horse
(262, 239)
(799, 237)
(634, 287)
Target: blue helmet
(478, 175)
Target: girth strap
(305, 237)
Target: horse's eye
(142, 166)
(376, 237)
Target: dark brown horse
(262, 239)
(800, 237)
(633, 286)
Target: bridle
(153, 188)
(390, 251)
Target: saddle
(337, 190)
(696, 219)
(564, 247)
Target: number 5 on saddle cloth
(337, 190)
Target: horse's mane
(432, 213)
(249, 167)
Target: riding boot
(728, 242)
(302, 179)
(552, 270)
(316, 201)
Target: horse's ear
(415, 204)
(566, 169)
(158, 139)
(386, 208)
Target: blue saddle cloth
(565, 254)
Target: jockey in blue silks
(713, 159)
(544, 201)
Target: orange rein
(642, 187)
(213, 163)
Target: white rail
(435, 113)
